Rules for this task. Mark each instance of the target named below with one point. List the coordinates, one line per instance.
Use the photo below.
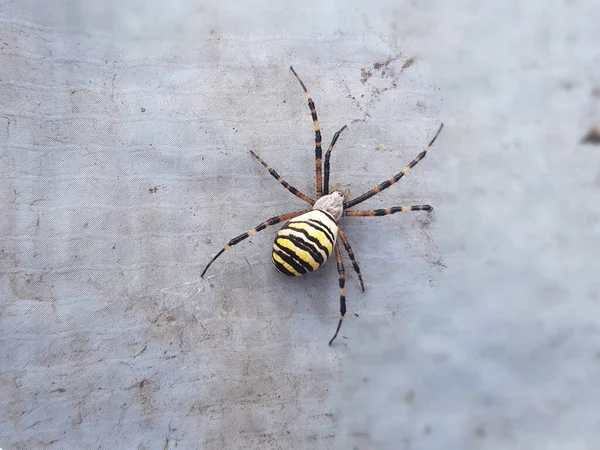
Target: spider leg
(342, 281)
(351, 255)
(318, 151)
(387, 212)
(289, 187)
(327, 156)
(262, 226)
(388, 183)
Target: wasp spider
(308, 239)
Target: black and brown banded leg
(387, 212)
(395, 178)
(318, 151)
(342, 282)
(352, 258)
(288, 186)
(327, 156)
(252, 232)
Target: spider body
(307, 241)
(309, 237)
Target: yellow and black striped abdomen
(304, 243)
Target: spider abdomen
(304, 243)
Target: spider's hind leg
(252, 232)
(342, 282)
(351, 255)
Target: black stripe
(306, 246)
(386, 184)
(313, 240)
(241, 237)
(415, 161)
(296, 258)
(297, 267)
(271, 171)
(324, 228)
(317, 226)
(397, 177)
(310, 247)
(327, 214)
(282, 269)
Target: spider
(308, 238)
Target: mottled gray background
(124, 134)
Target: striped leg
(387, 212)
(318, 151)
(289, 187)
(252, 232)
(327, 156)
(388, 183)
(342, 281)
(351, 255)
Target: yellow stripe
(285, 232)
(313, 232)
(277, 258)
(302, 254)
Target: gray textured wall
(125, 131)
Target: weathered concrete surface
(125, 130)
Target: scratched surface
(125, 130)
(125, 168)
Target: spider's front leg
(281, 181)
(386, 184)
(388, 211)
(318, 150)
(327, 156)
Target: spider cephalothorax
(309, 237)
(331, 203)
